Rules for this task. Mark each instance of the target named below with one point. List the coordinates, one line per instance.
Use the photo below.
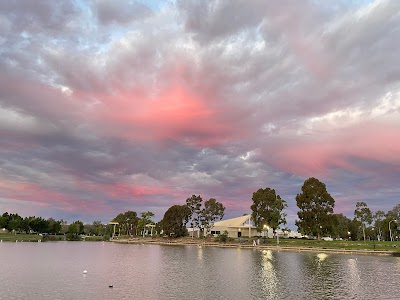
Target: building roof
(235, 222)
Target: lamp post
(390, 230)
(373, 239)
(266, 228)
(349, 234)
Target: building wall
(233, 232)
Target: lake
(54, 270)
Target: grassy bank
(351, 245)
(6, 237)
(367, 247)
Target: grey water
(54, 270)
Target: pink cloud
(375, 142)
(44, 197)
(121, 190)
(175, 113)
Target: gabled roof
(235, 222)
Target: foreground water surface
(54, 270)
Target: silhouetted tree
(267, 209)
(175, 220)
(316, 207)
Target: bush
(223, 237)
(73, 237)
(53, 238)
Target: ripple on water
(54, 271)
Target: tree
(98, 228)
(267, 209)
(378, 217)
(128, 221)
(146, 217)
(213, 211)
(38, 224)
(175, 220)
(53, 226)
(393, 220)
(194, 204)
(159, 227)
(363, 214)
(74, 230)
(4, 219)
(341, 226)
(394, 213)
(14, 223)
(355, 232)
(316, 207)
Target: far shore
(383, 248)
(273, 247)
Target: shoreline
(203, 243)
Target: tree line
(316, 218)
(200, 216)
(14, 223)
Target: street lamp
(266, 228)
(349, 234)
(373, 239)
(390, 230)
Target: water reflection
(321, 256)
(54, 271)
(199, 252)
(353, 277)
(268, 274)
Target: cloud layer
(108, 106)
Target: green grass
(6, 237)
(367, 245)
(95, 238)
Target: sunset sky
(109, 106)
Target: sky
(110, 106)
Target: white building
(238, 227)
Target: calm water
(55, 271)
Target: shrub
(223, 237)
(73, 237)
(53, 238)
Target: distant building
(238, 227)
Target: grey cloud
(38, 15)
(253, 63)
(218, 19)
(120, 12)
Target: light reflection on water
(55, 271)
(268, 274)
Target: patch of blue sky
(339, 6)
(156, 5)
